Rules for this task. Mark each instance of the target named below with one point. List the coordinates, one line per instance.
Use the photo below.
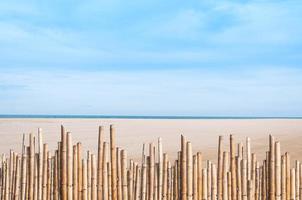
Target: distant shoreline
(132, 117)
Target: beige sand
(131, 134)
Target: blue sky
(213, 58)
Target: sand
(132, 133)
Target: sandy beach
(132, 133)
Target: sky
(151, 57)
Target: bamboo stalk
(40, 163)
(272, 168)
(44, 177)
(195, 181)
(100, 164)
(93, 178)
(84, 179)
(119, 174)
(225, 166)
(292, 185)
(220, 168)
(69, 167)
(214, 182)
(283, 178)
(75, 173)
(105, 173)
(183, 168)
(278, 170)
(63, 164)
(80, 171)
(204, 184)
(288, 181)
(113, 163)
(160, 168)
(124, 175)
(165, 177)
(151, 172)
(244, 179)
(189, 171)
(233, 168)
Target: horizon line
(98, 116)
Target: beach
(132, 133)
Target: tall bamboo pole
(124, 175)
(183, 168)
(288, 181)
(69, 166)
(272, 168)
(84, 178)
(220, 168)
(214, 182)
(63, 164)
(80, 172)
(31, 167)
(105, 173)
(283, 177)
(40, 163)
(75, 173)
(244, 179)
(93, 178)
(225, 166)
(292, 185)
(189, 171)
(160, 168)
(44, 177)
(113, 162)
(100, 164)
(151, 172)
(248, 157)
(233, 168)
(278, 170)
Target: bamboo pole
(238, 175)
(233, 168)
(204, 184)
(88, 175)
(225, 167)
(272, 168)
(80, 171)
(119, 174)
(209, 180)
(105, 173)
(220, 168)
(283, 178)
(183, 168)
(151, 172)
(84, 178)
(199, 166)
(244, 179)
(55, 175)
(278, 170)
(165, 177)
(124, 175)
(69, 166)
(31, 167)
(292, 185)
(160, 168)
(44, 177)
(195, 181)
(297, 181)
(48, 185)
(248, 157)
(93, 178)
(75, 173)
(214, 182)
(189, 171)
(100, 164)
(113, 163)
(40, 163)
(63, 164)
(288, 181)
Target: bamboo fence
(39, 174)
